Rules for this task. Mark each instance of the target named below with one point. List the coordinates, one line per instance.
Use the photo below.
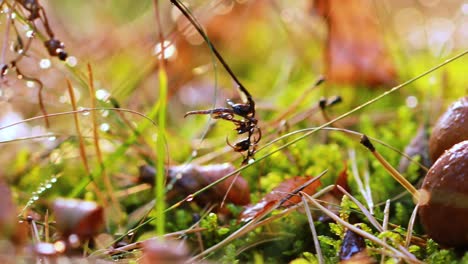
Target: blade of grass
(160, 143)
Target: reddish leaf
(82, 218)
(279, 193)
(191, 178)
(355, 51)
(342, 181)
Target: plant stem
(388, 167)
(161, 140)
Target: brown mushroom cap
(451, 128)
(445, 215)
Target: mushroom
(444, 198)
(451, 128)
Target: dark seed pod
(451, 128)
(56, 48)
(444, 198)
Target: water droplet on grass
(102, 95)
(104, 127)
(189, 198)
(72, 61)
(45, 63)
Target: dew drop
(169, 50)
(30, 84)
(189, 198)
(102, 94)
(35, 198)
(30, 33)
(53, 180)
(72, 61)
(48, 186)
(19, 76)
(104, 127)
(105, 113)
(63, 99)
(251, 161)
(60, 246)
(45, 63)
(84, 111)
(412, 101)
(74, 240)
(194, 153)
(52, 138)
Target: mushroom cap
(445, 215)
(451, 128)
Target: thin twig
(386, 213)
(357, 178)
(312, 229)
(409, 232)
(369, 216)
(403, 255)
(107, 181)
(84, 159)
(393, 172)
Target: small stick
(395, 174)
(77, 127)
(46, 226)
(385, 226)
(312, 229)
(357, 178)
(107, 181)
(404, 255)
(410, 225)
(82, 143)
(298, 100)
(363, 209)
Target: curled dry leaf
(158, 251)
(191, 178)
(78, 217)
(278, 194)
(355, 52)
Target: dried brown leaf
(279, 193)
(355, 52)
